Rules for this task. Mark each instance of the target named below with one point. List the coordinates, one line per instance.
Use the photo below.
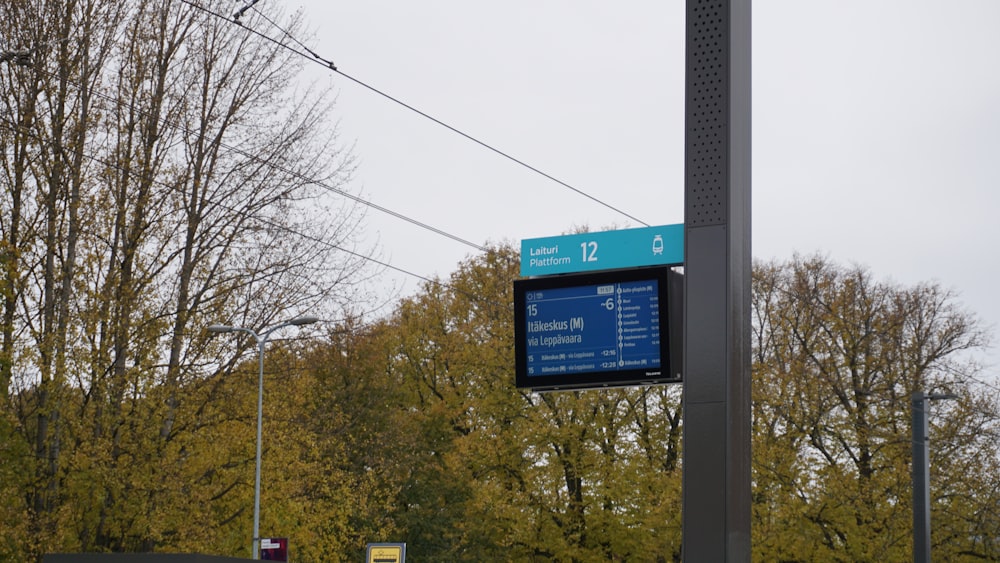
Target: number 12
(589, 251)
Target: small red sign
(274, 549)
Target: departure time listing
(593, 328)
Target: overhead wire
(264, 221)
(299, 176)
(316, 58)
(164, 122)
(995, 387)
(220, 204)
(310, 55)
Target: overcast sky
(876, 127)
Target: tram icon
(658, 244)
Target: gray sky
(876, 126)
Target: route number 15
(589, 251)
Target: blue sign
(607, 250)
(591, 330)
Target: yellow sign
(386, 553)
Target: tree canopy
(158, 175)
(489, 472)
(408, 428)
(837, 356)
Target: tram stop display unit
(598, 329)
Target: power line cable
(269, 223)
(262, 220)
(992, 386)
(297, 175)
(255, 158)
(326, 63)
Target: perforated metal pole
(717, 269)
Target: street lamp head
(220, 328)
(299, 321)
(920, 396)
(942, 396)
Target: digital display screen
(592, 330)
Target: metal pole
(261, 340)
(921, 484)
(717, 272)
(921, 474)
(260, 417)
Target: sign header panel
(606, 250)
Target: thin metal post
(921, 484)
(260, 417)
(921, 473)
(261, 340)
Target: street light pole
(921, 470)
(261, 339)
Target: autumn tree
(837, 355)
(159, 175)
(467, 468)
(474, 469)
